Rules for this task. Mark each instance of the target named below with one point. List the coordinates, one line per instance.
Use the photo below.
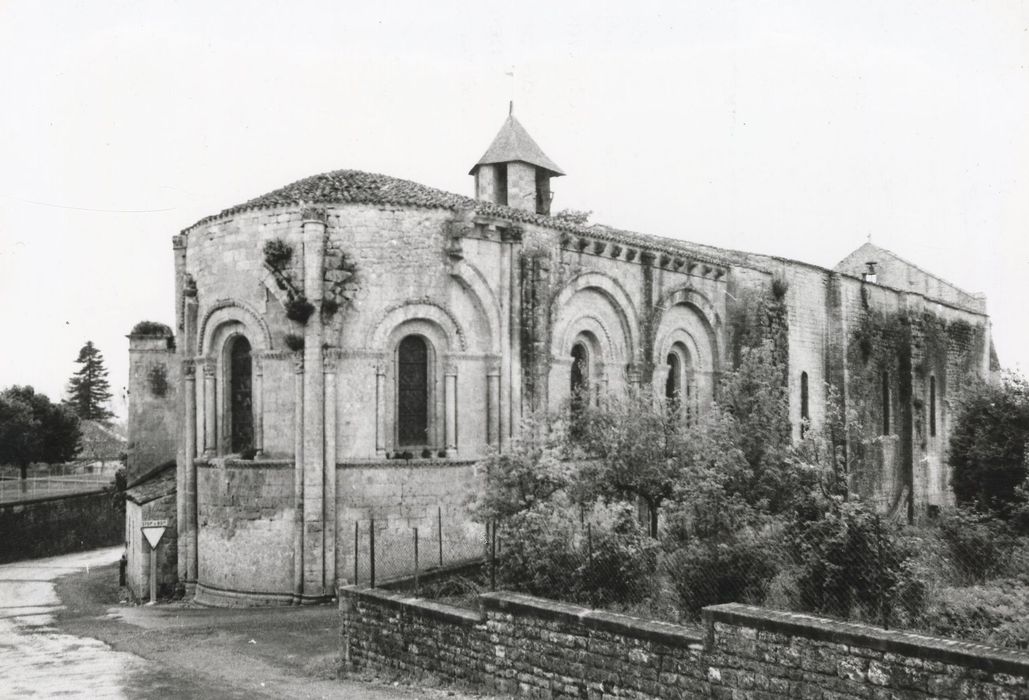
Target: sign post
(153, 531)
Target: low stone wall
(538, 648)
(45, 527)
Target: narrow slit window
(579, 380)
(804, 414)
(932, 406)
(886, 403)
(673, 384)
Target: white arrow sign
(153, 535)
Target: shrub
(995, 614)
(151, 328)
(706, 572)
(979, 546)
(538, 553)
(852, 564)
(619, 563)
(248, 454)
(277, 253)
(299, 309)
(988, 443)
(426, 453)
(546, 551)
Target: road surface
(63, 632)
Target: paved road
(62, 632)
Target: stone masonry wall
(538, 648)
(402, 495)
(153, 385)
(48, 526)
(246, 519)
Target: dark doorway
(412, 392)
(240, 395)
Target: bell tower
(514, 171)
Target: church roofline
(359, 187)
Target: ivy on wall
(756, 316)
(338, 272)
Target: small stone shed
(152, 497)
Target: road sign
(153, 535)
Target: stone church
(348, 346)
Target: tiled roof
(154, 484)
(359, 187)
(513, 143)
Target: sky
(797, 129)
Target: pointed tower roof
(512, 143)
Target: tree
(988, 445)
(88, 389)
(32, 429)
(635, 443)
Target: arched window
(673, 384)
(412, 392)
(886, 403)
(804, 414)
(241, 410)
(932, 406)
(580, 380)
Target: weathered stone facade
(290, 402)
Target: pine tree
(88, 389)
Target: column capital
(298, 362)
(189, 370)
(313, 215)
(209, 370)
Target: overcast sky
(791, 128)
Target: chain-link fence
(960, 575)
(415, 550)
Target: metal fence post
(357, 553)
(493, 558)
(416, 586)
(371, 558)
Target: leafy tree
(633, 448)
(988, 445)
(32, 429)
(88, 389)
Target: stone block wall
(401, 495)
(542, 649)
(246, 537)
(154, 370)
(137, 573)
(46, 527)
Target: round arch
(232, 312)
(617, 301)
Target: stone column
(210, 410)
(504, 294)
(493, 405)
(314, 408)
(257, 390)
(450, 408)
(298, 477)
(331, 359)
(512, 236)
(380, 409)
(188, 524)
